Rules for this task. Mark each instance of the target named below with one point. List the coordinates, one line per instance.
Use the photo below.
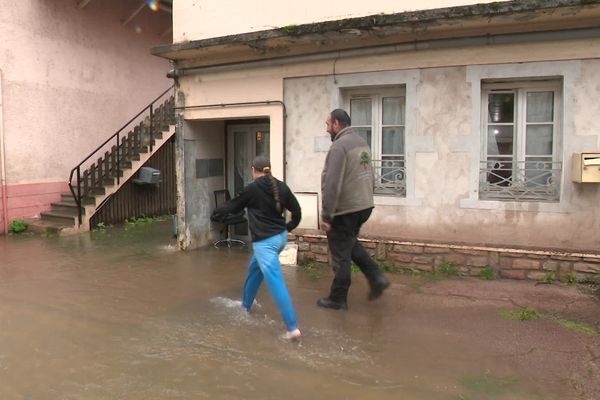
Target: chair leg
(228, 239)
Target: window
(379, 117)
(521, 152)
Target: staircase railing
(108, 166)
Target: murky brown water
(121, 315)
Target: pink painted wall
(70, 78)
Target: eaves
(503, 18)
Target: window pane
(262, 139)
(539, 140)
(500, 139)
(364, 133)
(393, 140)
(540, 106)
(360, 111)
(393, 110)
(501, 107)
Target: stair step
(66, 208)
(45, 226)
(60, 217)
(68, 198)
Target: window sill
(526, 206)
(397, 201)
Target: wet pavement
(120, 314)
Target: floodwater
(120, 314)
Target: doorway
(245, 141)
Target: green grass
(549, 278)
(308, 263)
(487, 273)
(390, 267)
(526, 314)
(576, 326)
(447, 269)
(520, 314)
(143, 219)
(487, 385)
(571, 279)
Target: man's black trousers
(345, 249)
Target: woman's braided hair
(262, 164)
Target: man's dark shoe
(377, 288)
(326, 302)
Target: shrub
(18, 226)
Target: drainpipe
(3, 166)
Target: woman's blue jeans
(264, 264)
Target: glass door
(244, 143)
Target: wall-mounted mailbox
(148, 176)
(586, 167)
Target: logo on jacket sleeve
(364, 159)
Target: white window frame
(339, 85)
(521, 88)
(376, 95)
(570, 73)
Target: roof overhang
(387, 29)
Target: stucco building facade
(474, 112)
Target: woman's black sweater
(265, 220)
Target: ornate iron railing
(390, 176)
(520, 180)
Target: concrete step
(66, 208)
(95, 192)
(68, 198)
(45, 226)
(59, 217)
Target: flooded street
(120, 314)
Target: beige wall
(195, 20)
(71, 78)
(443, 138)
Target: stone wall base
(509, 263)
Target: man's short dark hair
(341, 116)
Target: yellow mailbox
(586, 167)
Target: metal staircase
(99, 175)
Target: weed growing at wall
(309, 264)
(487, 273)
(448, 269)
(18, 226)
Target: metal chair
(222, 196)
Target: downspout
(3, 166)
